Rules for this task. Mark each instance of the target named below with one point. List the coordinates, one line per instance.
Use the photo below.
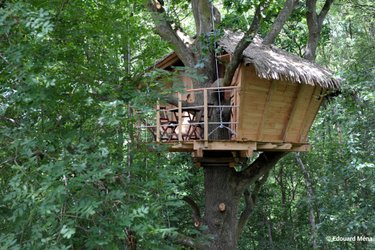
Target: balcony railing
(193, 122)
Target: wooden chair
(197, 124)
(168, 126)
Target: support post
(158, 122)
(179, 117)
(205, 114)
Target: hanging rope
(221, 109)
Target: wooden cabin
(273, 100)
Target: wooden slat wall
(266, 109)
(235, 101)
(253, 95)
(275, 111)
(277, 117)
(296, 121)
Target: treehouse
(270, 105)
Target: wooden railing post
(205, 114)
(158, 129)
(179, 117)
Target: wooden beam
(168, 61)
(247, 153)
(284, 146)
(181, 147)
(210, 160)
(205, 115)
(212, 88)
(235, 106)
(268, 145)
(302, 148)
(225, 58)
(305, 115)
(179, 117)
(287, 147)
(199, 152)
(158, 122)
(225, 146)
(241, 148)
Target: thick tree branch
(314, 24)
(196, 211)
(323, 13)
(241, 46)
(280, 21)
(205, 16)
(202, 15)
(194, 8)
(264, 163)
(166, 32)
(250, 200)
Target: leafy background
(75, 175)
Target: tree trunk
(224, 188)
(310, 199)
(221, 206)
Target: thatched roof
(273, 63)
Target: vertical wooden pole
(205, 114)
(237, 103)
(179, 117)
(158, 129)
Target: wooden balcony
(188, 128)
(193, 122)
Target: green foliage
(71, 176)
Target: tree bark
(166, 32)
(196, 213)
(250, 200)
(314, 24)
(221, 206)
(223, 190)
(202, 11)
(310, 199)
(280, 21)
(242, 45)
